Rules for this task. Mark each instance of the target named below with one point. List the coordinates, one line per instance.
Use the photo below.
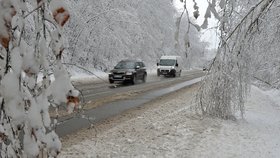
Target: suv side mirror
(157, 64)
(176, 65)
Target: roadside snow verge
(167, 128)
(255, 136)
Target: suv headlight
(128, 73)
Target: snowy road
(168, 128)
(96, 92)
(72, 124)
(99, 89)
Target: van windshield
(167, 62)
(125, 65)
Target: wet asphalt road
(158, 86)
(99, 89)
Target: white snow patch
(30, 146)
(171, 130)
(53, 144)
(256, 136)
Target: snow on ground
(167, 128)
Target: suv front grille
(119, 73)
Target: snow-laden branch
(26, 88)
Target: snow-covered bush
(30, 52)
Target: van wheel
(158, 73)
(174, 74)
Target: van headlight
(128, 73)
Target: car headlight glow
(128, 73)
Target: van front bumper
(167, 72)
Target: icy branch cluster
(28, 59)
(265, 45)
(224, 89)
(187, 38)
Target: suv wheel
(111, 81)
(133, 81)
(144, 78)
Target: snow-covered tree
(103, 32)
(224, 89)
(30, 53)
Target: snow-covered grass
(96, 76)
(168, 128)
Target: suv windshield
(125, 65)
(167, 62)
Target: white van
(170, 66)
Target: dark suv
(128, 70)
